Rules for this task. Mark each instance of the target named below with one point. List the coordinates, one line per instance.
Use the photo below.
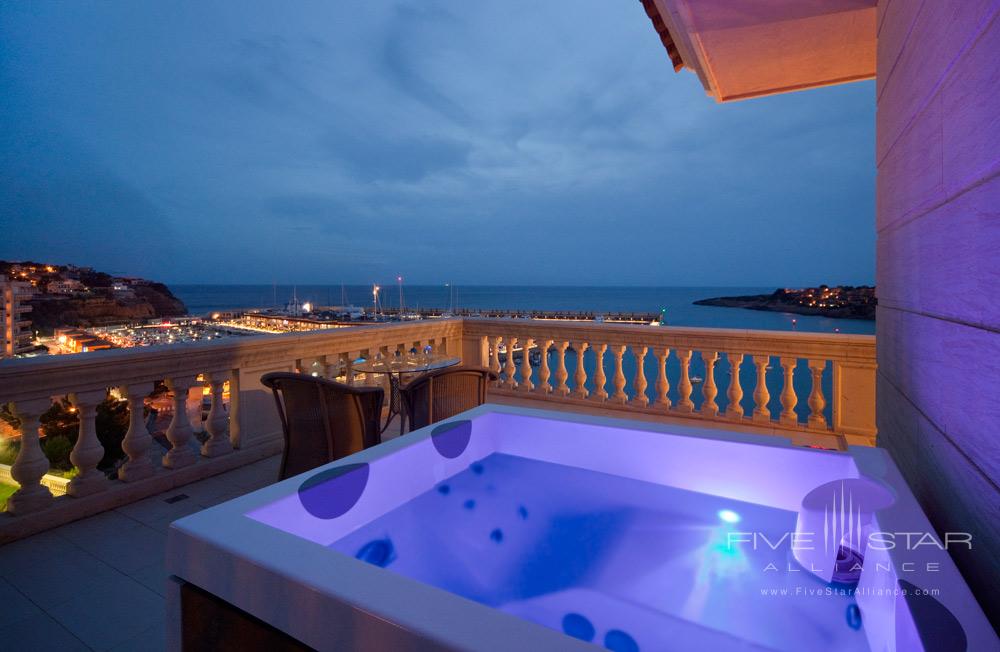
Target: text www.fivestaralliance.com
(829, 590)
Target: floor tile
(155, 509)
(111, 613)
(98, 525)
(153, 577)
(14, 557)
(40, 633)
(52, 580)
(208, 489)
(14, 605)
(163, 524)
(153, 639)
(218, 500)
(125, 548)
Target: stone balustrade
(828, 393)
(819, 388)
(240, 432)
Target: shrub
(8, 452)
(57, 449)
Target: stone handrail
(848, 360)
(247, 428)
(242, 432)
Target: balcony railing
(820, 385)
(803, 384)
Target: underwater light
(728, 516)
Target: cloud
(481, 142)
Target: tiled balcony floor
(98, 583)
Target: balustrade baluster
(526, 384)
(619, 396)
(684, 388)
(217, 443)
(760, 394)
(235, 431)
(87, 452)
(349, 367)
(137, 440)
(600, 379)
(708, 390)
(639, 384)
(331, 366)
(543, 371)
(561, 374)
(788, 397)
(31, 465)
(510, 382)
(817, 402)
(495, 357)
(179, 432)
(580, 377)
(735, 394)
(662, 384)
(381, 380)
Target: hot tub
(508, 528)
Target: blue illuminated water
(612, 560)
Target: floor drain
(175, 499)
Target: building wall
(14, 335)
(938, 267)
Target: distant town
(840, 302)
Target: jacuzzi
(509, 528)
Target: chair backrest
(443, 393)
(322, 420)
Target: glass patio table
(395, 366)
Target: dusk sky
(520, 142)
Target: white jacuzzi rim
(224, 534)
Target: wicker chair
(443, 393)
(323, 420)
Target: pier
(502, 313)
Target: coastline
(845, 302)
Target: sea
(676, 302)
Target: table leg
(395, 403)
